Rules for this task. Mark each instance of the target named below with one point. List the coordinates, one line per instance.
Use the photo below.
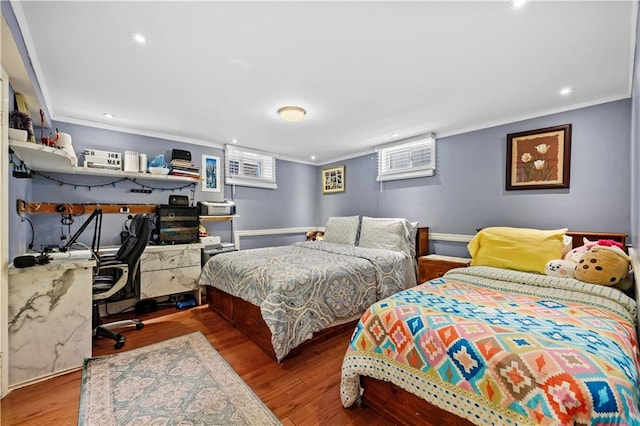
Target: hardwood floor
(303, 390)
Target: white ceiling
(212, 72)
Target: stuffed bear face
(560, 268)
(602, 266)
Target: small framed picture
(210, 173)
(539, 159)
(333, 180)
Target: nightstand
(435, 266)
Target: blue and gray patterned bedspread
(305, 287)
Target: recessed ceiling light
(395, 134)
(139, 38)
(566, 91)
(292, 113)
(313, 157)
(517, 4)
(108, 115)
(234, 140)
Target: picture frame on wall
(333, 180)
(539, 159)
(210, 173)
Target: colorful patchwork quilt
(504, 347)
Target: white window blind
(407, 159)
(246, 167)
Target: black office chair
(114, 273)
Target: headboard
(594, 236)
(422, 241)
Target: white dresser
(169, 269)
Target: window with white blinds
(246, 167)
(407, 159)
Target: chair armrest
(112, 264)
(107, 257)
(100, 283)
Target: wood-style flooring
(303, 390)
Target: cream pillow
(521, 249)
(342, 230)
(395, 234)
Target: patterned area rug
(179, 381)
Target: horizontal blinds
(246, 167)
(406, 160)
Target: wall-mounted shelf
(219, 218)
(36, 207)
(47, 159)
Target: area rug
(181, 381)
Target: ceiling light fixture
(292, 113)
(566, 91)
(395, 134)
(108, 115)
(139, 38)
(517, 4)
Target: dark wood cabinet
(435, 266)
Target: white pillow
(342, 230)
(396, 234)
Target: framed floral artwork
(210, 173)
(333, 180)
(539, 159)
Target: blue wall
(635, 146)
(292, 204)
(468, 189)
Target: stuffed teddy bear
(604, 263)
(315, 235)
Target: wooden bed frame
(391, 401)
(247, 317)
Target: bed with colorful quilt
(487, 345)
(282, 297)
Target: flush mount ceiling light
(292, 113)
(566, 91)
(139, 38)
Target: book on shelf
(194, 175)
(184, 165)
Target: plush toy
(590, 264)
(605, 264)
(315, 235)
(575, 254)
(560, 268)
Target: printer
(216, 208)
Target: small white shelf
(47, 159)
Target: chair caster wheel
(120, 340)
(139, 326)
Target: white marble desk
(49, 327)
